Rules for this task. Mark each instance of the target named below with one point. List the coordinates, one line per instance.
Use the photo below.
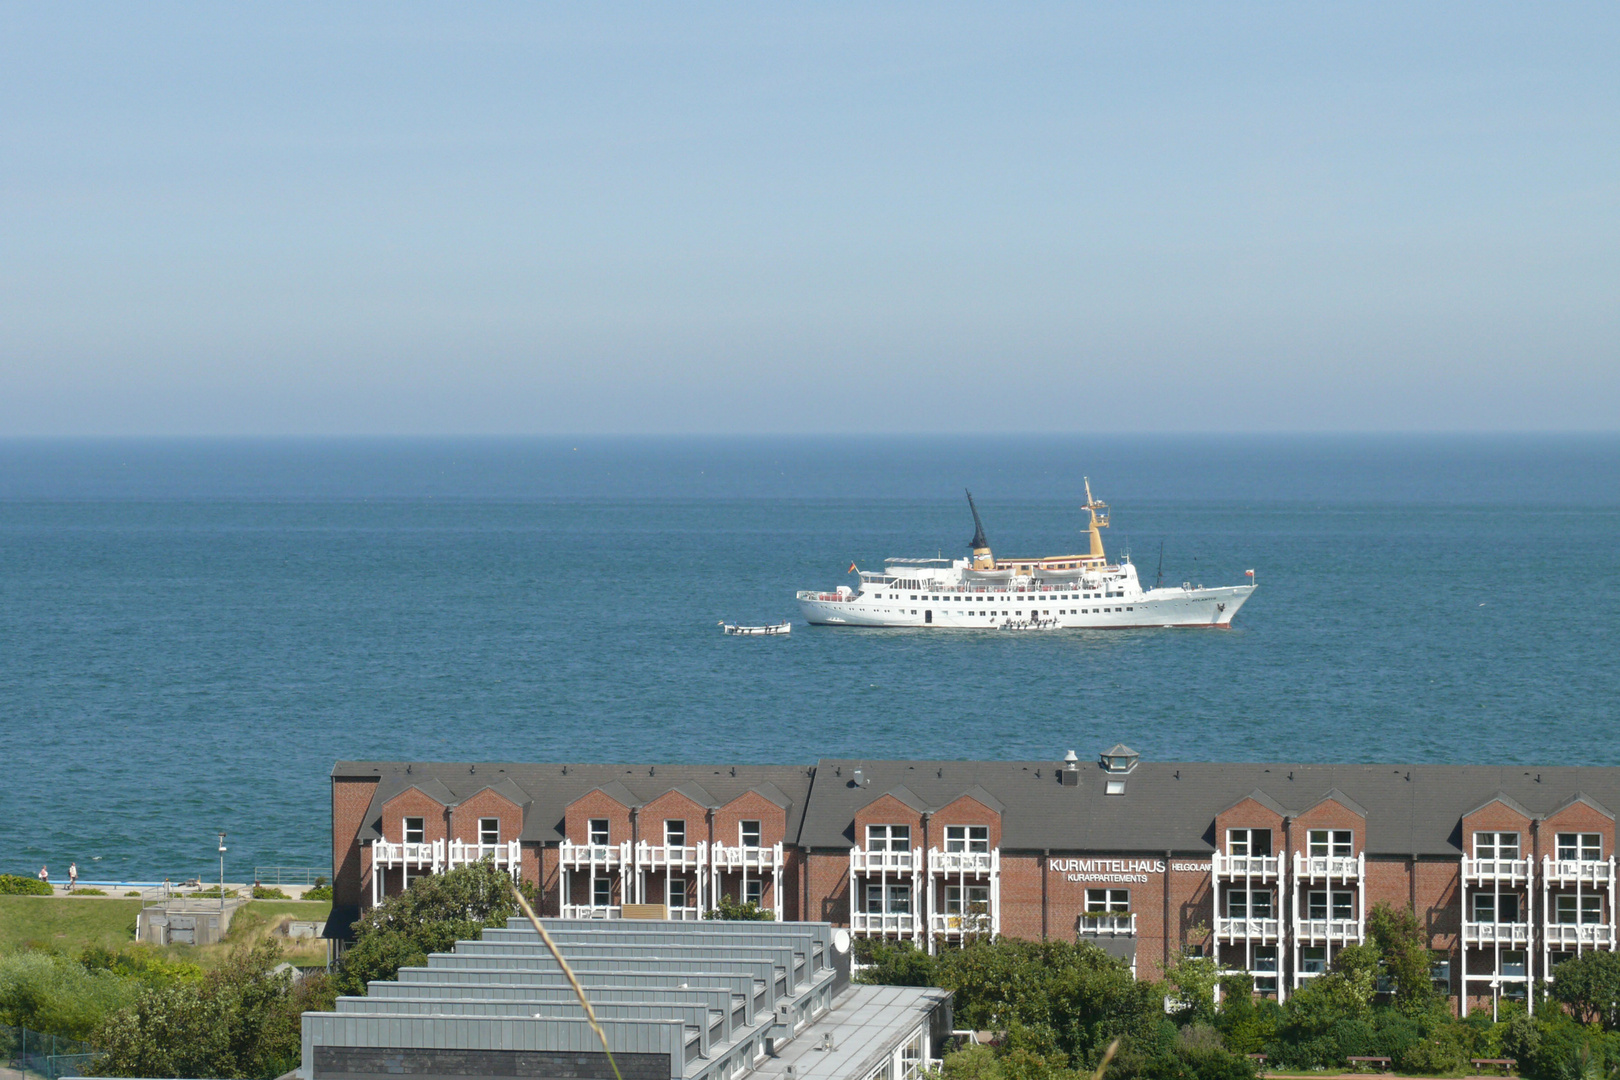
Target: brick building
(1270, 867)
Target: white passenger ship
(985, 593)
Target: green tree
(749, 911)
(241, 1020)
(1403, 957)
(1590, 986)
(1192, 981)
(431, 916)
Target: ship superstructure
(985, 593)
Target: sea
(193, 631)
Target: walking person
(73, 876)
(45, 874)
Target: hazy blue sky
(281, 218)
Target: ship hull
(1155, 608)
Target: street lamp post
(222, 873)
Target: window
(888, 837)
(754, 892)
(1114, 787)
(1513, 963)
(415, 832)
(1580, 909)
(601, 892)
(967, 838)
(748, 833)
(976, 897)
(1248, 841)
(1241, 904)
(1312, 960)
(1496, 907)
(1496, 845)
(489, 831)
(1265, 969)
(677, 892)
(1580, 847)
(1108, 900)
(1440, 972)
(599, 830)
(1326, 905)
(896, 900)
(674, 832)
(1331, 842)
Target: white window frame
(1331, 843)
(676, 893)
(414, 834)
(602, 892)
(967, 899)
(886, 837)
(1496, 846)
(1113, 900)
(489, 831)
(750, 838)
(1580, 847)
(974, 838)
(674, 832)
(754, 892)
(602, 835)
(1240, 842)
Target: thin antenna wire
(579, 991)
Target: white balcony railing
(1324, 931)
(974, 863)
(574, 855)
(1496, 933)
(590, 911)
(878, 862)
(1329, 868)
(1572, 872)
(507, 856)
(754, 859)
(1113, 924)
(411, 856)
(1253, 867)
(1507, 871)
(1254, 929)
(956, 925)
(1578, 935)
(671, 856)
(903, 923)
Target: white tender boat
(764, 631)
(1057, 591)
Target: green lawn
(67, 924)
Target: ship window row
(1001, 599)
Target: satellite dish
(841, 941)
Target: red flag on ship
(1249, 573)
(852, 568)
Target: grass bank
(66, 924)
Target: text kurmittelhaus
(1271, 867)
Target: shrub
(56, 995)
(319, 892)
(268, 892)
(728, 908)
(17, 885)
(87, 891)
(1436, 1054)
(133, 892)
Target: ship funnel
(982, 558)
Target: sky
(277, 219)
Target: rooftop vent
(1120, 759)
(1070, 775)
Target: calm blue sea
(191, 632)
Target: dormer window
(415, 831)
(967, 838)
(489, 831)
(675, 832)
(1121, 759)
(1331, 843)
(748, 833)
(888, 837)
(1580, 847)
(1496, 845)
(1244, 842)
(598, 830)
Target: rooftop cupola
(1119, 759)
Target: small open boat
(764, 631)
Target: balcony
(1577, 872)
(750, 859)
(411, 856)
(652, 857)
(967, 863)
(1251, 867)
(1110, 924)
(1328, 931)
(882, 923)
(1562, 936)
(508, 856)
(1257, 929)
(1516, 934)
(1506, 871)
(1329, 868)
(885, 862)
(591, 911)
(601, 856)
(947, 924)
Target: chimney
(1070, 775)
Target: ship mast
(982, 558)
(1099, 520)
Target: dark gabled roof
(1581, 797)
(1506, 800)
(506, 788)
(695, 792)
(1264, 800)
(977, 792)
(1335, 795)
(432, 788)
(904, 794)
(549, 788)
